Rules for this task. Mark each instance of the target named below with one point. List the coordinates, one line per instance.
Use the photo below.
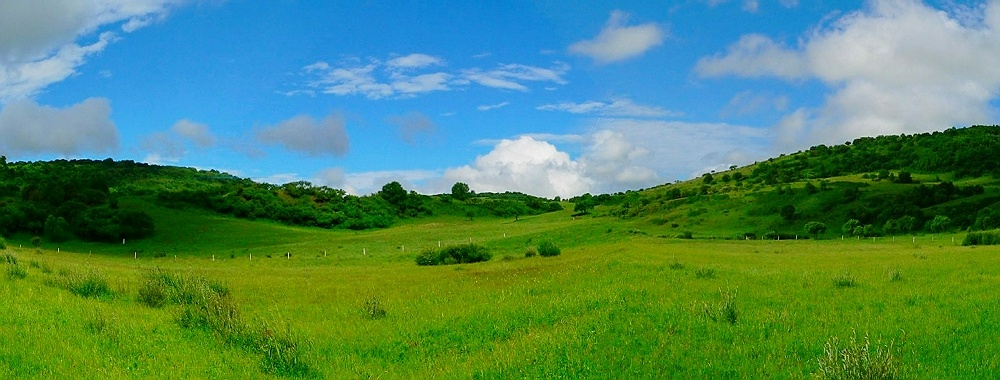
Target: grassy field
(619, 302)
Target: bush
(548, 249)
(857, 360)
(90, 285)
(459, 254)
(531, 252)
(982, 238)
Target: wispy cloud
(622, 107)
(412, 124)
(40, 43)
(489, 107)
(408, 76)
(618, 41)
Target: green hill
(926, 183)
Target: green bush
(459, 254)
(531, 252)
(982, 238)
(90, 285)
(548, 249)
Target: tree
(815, 228)
(810, 188)
(904, 177)
(940, 223)
(460, 191)
(584, 204)
(394, 193)
(850, 226)
(788, 212)
(707, 178)
(57, 229)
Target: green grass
(614, 304)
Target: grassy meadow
(623, 300)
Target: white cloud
(39, 39)
(29, 128)
(897, 66)
(523, 165)
(415, 60)
(751, 6)
(406, 77)
(412, 124)
(490, 107)
(755, 55)
(197, 133)
(616, 107)
(307, 135)
(618, 42)
(371, 182)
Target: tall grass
(857, 360)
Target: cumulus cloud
(412, 124)
(307, 135)
(616, 107)
(897, 66)
(408, 76)
(524, 165)
(618, 41)
(29, 128)
(40, 40)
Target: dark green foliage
(57, 229)
(583, 204)
(531, 252)
(815, 228)
(548, 249)
(982, 238)
(788, 212)
(986, 219)
(458, 254)
(940, 223)
(460, 191)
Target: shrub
(459, 254)
(982, 238)
(548, 249)
(857, 360)
(90, 285)
(374, 309)
(531, 252)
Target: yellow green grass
(614, 304)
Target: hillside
(888, 185)
(107, 201)
(876, 186)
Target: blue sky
(543, 97)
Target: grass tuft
(845, 280)
(857, 360)
(93, 284)
(373, 308)
(16, 272)
(704, 273)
